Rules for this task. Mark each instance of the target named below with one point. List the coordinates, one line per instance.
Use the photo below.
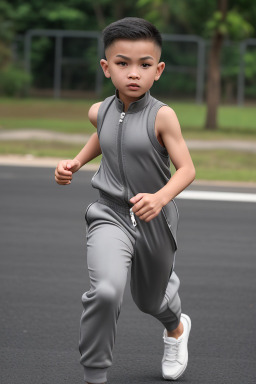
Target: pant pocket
(171, 216)
(86, 216)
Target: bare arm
(66, 168)
(168, 126)
(92, 147)
(89, 151)
(147, 206)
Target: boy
(135, 219)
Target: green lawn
(58, 125)
(41, 149)
(70, 116)
(225, 165)
(210, 165)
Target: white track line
(218, 196)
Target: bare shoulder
(93, 113)
(166, 120)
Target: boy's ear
(159, 70)
(104, 66)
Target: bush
(14, 82)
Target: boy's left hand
(146, 205)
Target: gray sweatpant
(113, 243)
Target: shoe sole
(179, 375)
(185, 366)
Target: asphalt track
(43, 275)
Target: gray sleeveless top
(133, 160)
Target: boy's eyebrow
(147, 57)
(142, 58)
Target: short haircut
(131, 28)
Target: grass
(41, 149)
(57, 125)
(224, 165)
(210, 165)
(70, 116)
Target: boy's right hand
(65, 170)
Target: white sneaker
(175, 357)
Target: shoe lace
(172, 351)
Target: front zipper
(134, 223)
(122, 117)
(121, 165)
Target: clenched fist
(65, 170)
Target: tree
(223, 23)
(214, 19)
(6, 34)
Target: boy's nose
(134, 75)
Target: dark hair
(131, 28)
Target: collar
(135, 106)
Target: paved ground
(43, 275)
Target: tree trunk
(119, 9)
(213, 82)
(99, 15)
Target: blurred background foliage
(196, 17)
(204, 19)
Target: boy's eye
(146, 65)
(121, 63)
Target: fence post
(57, 66)
(99, 72)
(241, 77)
(27, 48)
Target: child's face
(133, 66)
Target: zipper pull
(122, 117)
(134, 223)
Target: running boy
(134, 221)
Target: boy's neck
(127, 100)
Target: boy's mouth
(133, 86)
